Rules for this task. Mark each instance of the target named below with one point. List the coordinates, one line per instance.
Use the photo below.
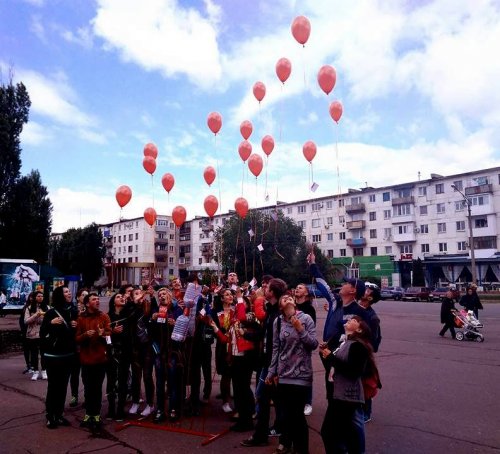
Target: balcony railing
(355, 225)
(403, 200)
(354, 207)
(479, 189)
(161, 240)
(356, 242)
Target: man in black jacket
(447, 317)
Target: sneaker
(147, 411)
(173, 415)
(134, 409)
(368, 419)
(74, 401)
(159, 417)
(273, 432)
(35, 376)
(62, 421)
(85, 421)
(227, 408)
(44, 375)
(281, 449)
(308, 409)
(253, 442)
(51, 423)
(28, 370)
(120, 415)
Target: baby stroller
(468, 326)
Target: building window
(372, 215)
(486, 242)
(424, 228)
(329, 253)
(136, 236)
(302, 224)
(342, 220)
(440, 188)
(440, 208)
(373, 251)
(402, 210)
(422, 191)
(425, 248)
(460, 226)
(402, 229)
(387, 233)
(329, 237)
(130, 249)
(423, 210)
(459, 185)
(315, 223)
(459, 206)
(172, 236)
(462, 246)
(171, 249)
(480, 223)
(443, 247)
(479, 200)
(388, 249)
(373, 233)
(329, 220)
(371, 198)
(441, 227)
(136, 259)
(171, 260)
(316, 206)
(130, 236)
(387, 214)
(356, 200)
(114, 239)
(200, 261)
(136, 248)
(316, 238)
(343, 253)
(342, 236)
(386, 196)
(289, 210)
(357, 251)
(329, 205)
(406, 249)
(301, 209)
(341, 203)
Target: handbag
(371, 384)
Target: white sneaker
(134, 409)
(308, 409)
(147, 411)
(227, 408)
(35, 375)
(44, 375)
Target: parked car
(391, 293)
(440, 292)
(417, 294)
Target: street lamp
(471, 238)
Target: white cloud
(165, 37)
(35, 134)
(83, 37)
(38, 29)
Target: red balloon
(211, 204)
(149, 164)
(246, 129)
(214, 121)
(209, 175)
(123, 195)
(179, 215)
(283, 69)
(327, 78)
(255, 164)
(336, 110)
(168, 182)
(259, 91)
(245, 150)
(301, 29)
(151, 150)
(150, 216)
(309, 150)
(241, 207)
(268, 145)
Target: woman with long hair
(341, 431)
(59, 348)
(33, 318)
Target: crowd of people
(161, 342)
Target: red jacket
(93, 349)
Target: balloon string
(281, 111)
(218, 173)
(153, 189)
(256, 193)
(304, 65)
(236, 247)
(339, 188)
(265, 190)
(242, 178)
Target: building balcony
(161, 252)
(356, 242)
(479, 189)
(207, 226)
(355, 225)
(403, 200)
(404, 219)
(404, 237)
(478, 210)
(161, 241)
(355, 207)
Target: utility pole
(471, 237)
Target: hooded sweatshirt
(93, 349)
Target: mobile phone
(203, 312)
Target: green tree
(283, 253)
(28, 221)
(80, 252)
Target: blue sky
(418, 82)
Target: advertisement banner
(17, 280)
